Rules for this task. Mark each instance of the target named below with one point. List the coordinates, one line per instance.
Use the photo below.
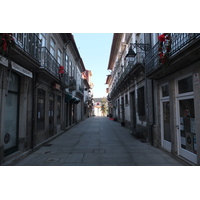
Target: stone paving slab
(98, 141)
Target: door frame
(183, 96)
(183, 152)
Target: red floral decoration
(164, 47)
(6, 41)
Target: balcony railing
(49, 63)
(129, 68)
(29, 43)
(179, 42)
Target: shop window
(141, 101)
(165, 91)
(185, 85)
(40, 109)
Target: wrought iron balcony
(180, 42)
(50, 64)
(129, 69)
(29, 43)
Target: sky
(94, 49)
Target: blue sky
(94, 49)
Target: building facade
(153, 89)
(42, 91)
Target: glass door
(186, 132)
(166, 134)
(186, 129)
(165, 118)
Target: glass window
(52, 47)
(40, 109)
(70, 70)
(185, 85)
(13, 83)
(166, 121)
(165, 91)
(59, 59)
(187, 125)
(141, 102)
(43, 38)
(66, 63)
(20, 37)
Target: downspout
(33, 109)
(153, 106)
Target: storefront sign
(21, 70)
(196, 78)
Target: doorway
(51, 114)
(186, 132)
(11, 116)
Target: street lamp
(130, 57)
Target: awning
(77, 101)
(71, 99)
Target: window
(126, 99)
(19, 37)
(70, 66)
(52, 47)
(165, 91)
(40, 109)
(43, 38)
(185, 85)
(141, 101)
(66, 63)
(59, 59)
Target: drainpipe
(153, 112)
(33, 108)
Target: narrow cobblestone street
(98, 141)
